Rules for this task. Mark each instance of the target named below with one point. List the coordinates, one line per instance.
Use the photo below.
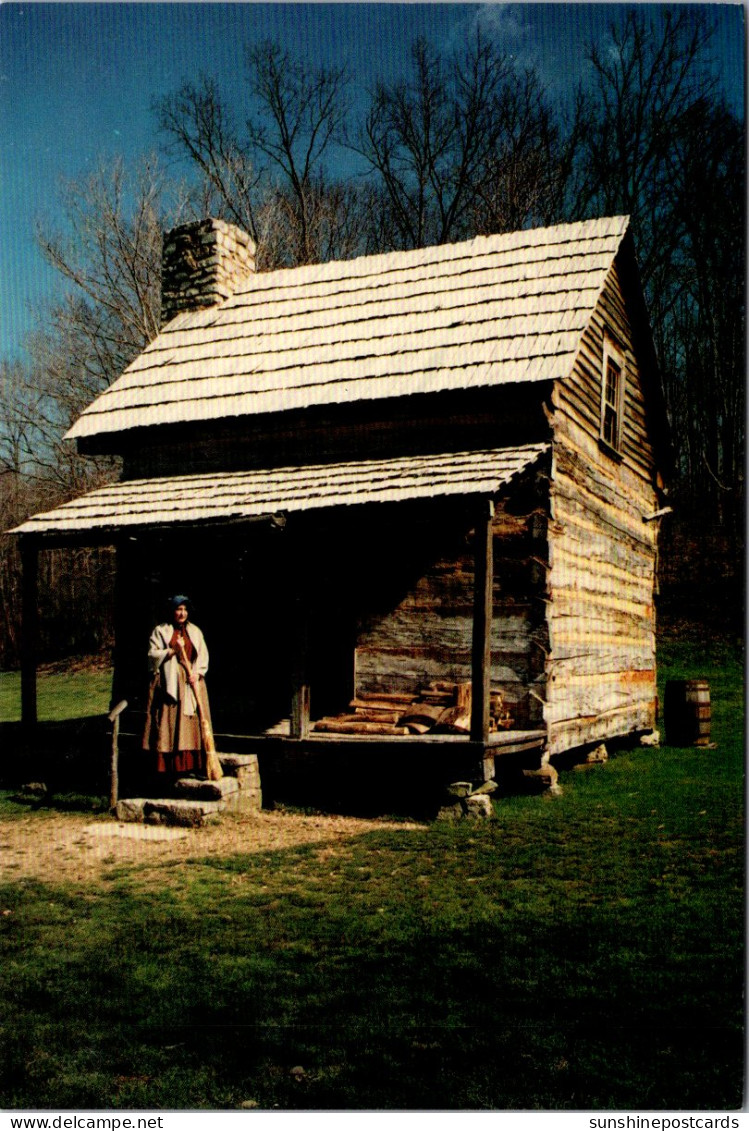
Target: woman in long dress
(172, 730)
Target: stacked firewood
(440, 708)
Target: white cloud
(506, 26)
(503, 21)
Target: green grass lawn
(60, 695)
(579, 952)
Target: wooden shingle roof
(492, 310)
(238, 495)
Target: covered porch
(315, 585)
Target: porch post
(299, 634)
(299, 676)
(130, 625)
(482, 622)
(29, 628)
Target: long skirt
(173, 736)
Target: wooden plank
(580, 396)
(634, 490)
(482, 623)
(603, 479)
(577, 499)
(597, 697)
(619, 721)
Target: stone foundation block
(450, 813)
(188, 814)
(206, 790)
(479, 806)
(34, 789)
(486, 787)
(130, 809)
(459, 789)
(232, 764)
(653, 738)
(596, 757)
(250, 799)
(545, 779)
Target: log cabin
(425, 483)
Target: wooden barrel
(687, 712)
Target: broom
(212, 765)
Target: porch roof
(241, 495)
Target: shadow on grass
(307, 980)
(53, 802)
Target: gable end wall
(601, 667)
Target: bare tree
(660, 146)
(708, 188)
(274, 180)
(646, 78)
(299, 117)
(109, 250)
(527, 173)
(463, 145)
(199, 126)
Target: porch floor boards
(500, 742)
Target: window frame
(612, 353)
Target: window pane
(613, 373)
(610, 426)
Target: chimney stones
(203, 264)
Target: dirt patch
(72, 848)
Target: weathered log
(332, 726)
(463, 696)
(454, 720)
(425, 713)
(363, 715)
(383, 697)
(380, 706)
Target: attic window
(612, 395)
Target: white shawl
(167, 667)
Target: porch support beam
(29, 548)
(130, 634)
(482, 622)
(299, 704)
(300, 697)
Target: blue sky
(77, 82)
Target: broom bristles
(212, 765)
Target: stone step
(197, 801)
(168, 811)
(199, 790)
(230, 763)
(243, 767)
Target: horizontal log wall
(601, 664)
(449, 421)
(428, 635)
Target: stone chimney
(202, 264)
